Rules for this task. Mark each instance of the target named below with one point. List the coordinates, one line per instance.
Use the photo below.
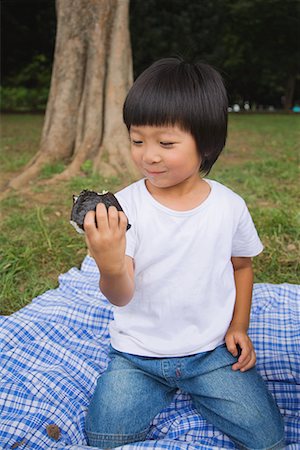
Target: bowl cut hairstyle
(191, 96)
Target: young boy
(181, 278)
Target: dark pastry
(87, 201)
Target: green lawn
(37, 242)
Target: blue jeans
(134, 389)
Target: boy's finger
(89, 222)
(101, 216)
(123, 221)
(113, 218)
(238, 365)
(245, 352)
(231, 345)
(242, 354)
(250, 363)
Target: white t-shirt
(184, 282)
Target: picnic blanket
(54, 349)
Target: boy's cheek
(136, 157)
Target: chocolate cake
(87, 201)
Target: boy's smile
(166, 155)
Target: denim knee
(238, 404)
(264, 436)
(125, 401)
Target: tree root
(27, 176)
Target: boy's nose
(151, 155)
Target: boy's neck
(183, 197)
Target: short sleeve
(246, 241)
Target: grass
(37, 243)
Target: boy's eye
(167, 144)
(137, 142)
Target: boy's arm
(119, 288)
(105, 235)
(237, 331)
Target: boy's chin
(159, 184)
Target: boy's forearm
(118, 288)
(244, 284)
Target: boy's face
(166, 155)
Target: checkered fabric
(54, 349)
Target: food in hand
(87, 201)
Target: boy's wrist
(117, 286)
(113, 272)
(240, 325)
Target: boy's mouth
(154, 172)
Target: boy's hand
(105, 235)
(238, 336)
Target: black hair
(190, 95)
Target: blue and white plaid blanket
(54, 349)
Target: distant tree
(160, 28)
(254, 43)
(261, 49)
(91, 75)
(27, 33)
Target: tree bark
(92, 72)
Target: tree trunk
(91, 75)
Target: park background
(254, 44)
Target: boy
(181, 278)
